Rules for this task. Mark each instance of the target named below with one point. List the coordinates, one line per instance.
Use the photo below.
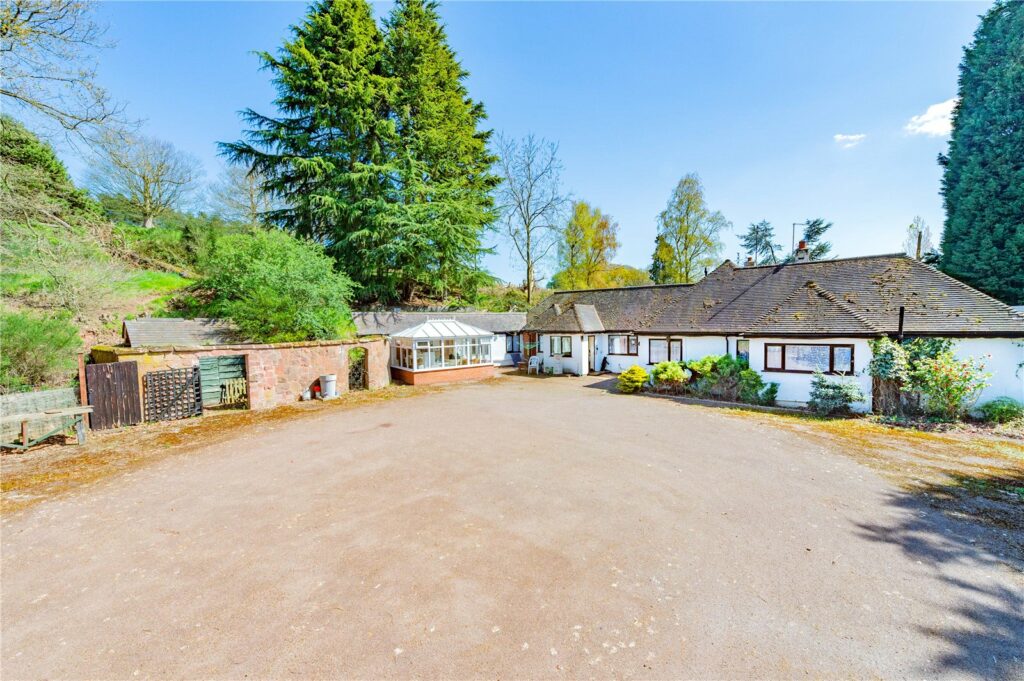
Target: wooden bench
(77, 413)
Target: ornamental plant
(831, 396)
(632, 379)
(949, 386)
(1002, 410)
(669, 374)
(889, 360)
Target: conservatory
(441, 350)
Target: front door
(592, 352)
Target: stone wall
(277, 373)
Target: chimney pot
(802, 253)
(750, 261)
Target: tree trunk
(529, 284)
(148, 222)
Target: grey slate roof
(159, 331)
(844, 297)
(387, 322)
(615, 309)
(869, 290)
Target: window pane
(743, 349)
(633, 344)
(675, 351)
(773, 357)
(615, 346)
(807, 357)
(842, 359)
(566, 346)
(659, 351)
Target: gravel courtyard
(522, 528)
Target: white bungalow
(786, 320)
(441, 351)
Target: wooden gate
(223, 380)
(113, 392)
(173, 394)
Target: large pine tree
(445, 180)
(983, 180)
(325, 154)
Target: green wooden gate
(220, 377)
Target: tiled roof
(852, 296)
(735, 300)
(387, 322)
(615, 309)
(160, 331)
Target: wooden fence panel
(113, 390)
(31, 402)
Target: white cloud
(848, 141)
(936, 121)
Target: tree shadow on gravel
(953, 529)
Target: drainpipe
(899, 329)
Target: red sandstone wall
(473, 373)
(278, 373)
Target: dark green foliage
(38, 351)
(34, 181)
(759, 243)
(831, 396)
(725, 377)
(814, 235)
(276, 287)
(983, 173)
(671, 373)
(445, 180)
(924, 347)
(377, 151)
(1002, 410)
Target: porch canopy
(440, 344)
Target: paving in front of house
(522, 528)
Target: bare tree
(238, 195)
(531, 200)
(48, 54)
(918, 243)
(150, 174)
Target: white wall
(1003, 358)
(795, 389)
(570, 365)
(498, 354)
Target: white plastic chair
(534, 365)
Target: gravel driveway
(526, 528)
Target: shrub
(948, 385)
(36, 351)
(276, 288)
(833, 395)
(632, 379)
(705, 365)
(769, 394)
(889, 360)
(1002, 410)
(754, 390)
(669, 373)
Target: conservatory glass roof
(442, 328)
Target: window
(743, 349)
(806, 358)
(442, 354)
(675, 350)
(657, 350)
(622, 345)
(512, 343)
(561, 345)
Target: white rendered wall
(1003, 358)
(795, 389)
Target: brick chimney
(802, 253)
(750, 261)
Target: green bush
(669, 373)
(632, 379)
(948, 385)
(278, 288)
(705, 365)
(833, 395)
(1002, 410)
(889, 360)
(36, 351)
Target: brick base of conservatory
(470, 373)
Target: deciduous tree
(151, 175)
(586, 246)
(531, 200)
(238, 195)
(689, 235)
(983, 179)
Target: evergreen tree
(325, 154)
(814, 236)
(759, 243)
(983, 176)
(444, 167)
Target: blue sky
(749, 95)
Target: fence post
(83, 396)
